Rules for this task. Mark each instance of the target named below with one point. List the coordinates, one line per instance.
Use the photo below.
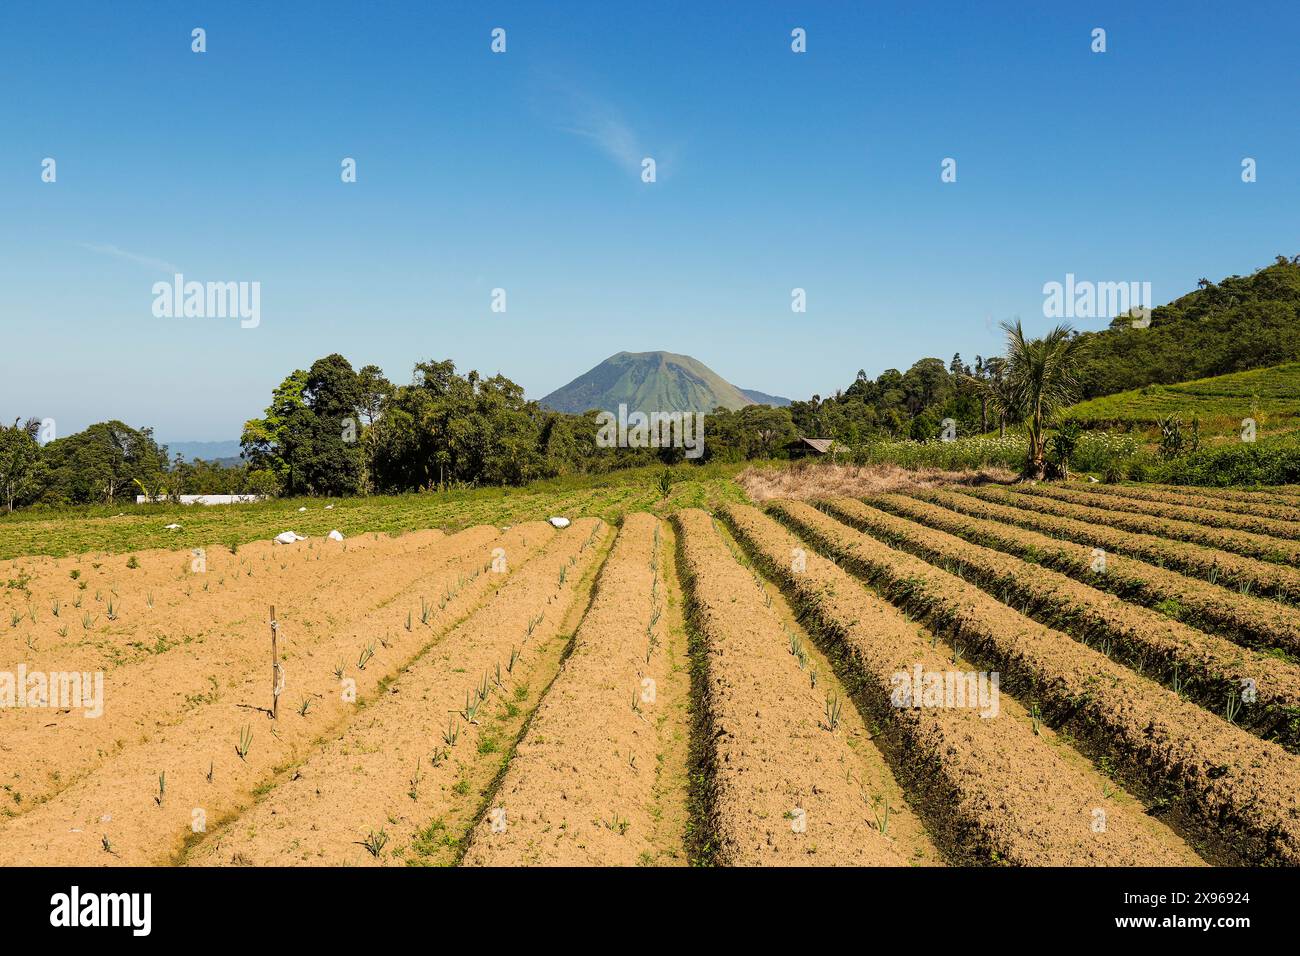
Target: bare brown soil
(112, 796)
(1208, 669)
(1287, 496)
(993, 790)
(1243, 618)
(581, 787)
(212, 647)
(1247, 575)
(390, 773)
(1233, 791)
(1040, 498)
(172, 598)
(1201, 513)
(1191, 496)
(686, 691)
(786, 781)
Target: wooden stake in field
(275, 667)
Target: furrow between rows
(400, 781)
(1246, 575)
(1287, 496)
(1194, 498)
(1202, 515)
(991, 787)
(1245, 619)
(783, 789)
(1038, 498)
(229, 657)
(111, 615)
(164, 790)
(1238, 794)
(1260, 692)
(580, 787)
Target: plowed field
(989, 675)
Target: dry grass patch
(807, 480)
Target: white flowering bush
(1104, 451)
(1095, 452)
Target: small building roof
(822, 446)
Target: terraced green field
(1269, 395)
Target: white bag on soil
(289, 537)
(559, 522)
(335, 536)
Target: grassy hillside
(649, 382)
(1239, 323)
(1271, 396)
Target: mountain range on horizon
(653, 381)
(225, 452)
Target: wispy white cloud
(602, 125)
(578, 111)
(118, 252)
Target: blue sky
(521, 171)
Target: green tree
(925, 384)
(376, 391)
(104, 463)
(20, 462)
(311, 435)
(264, 439)
(1042, 379)
(446, 429)
(327, 434)
(996, 393)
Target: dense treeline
(334, 430)
(107, 462)
(1234, 325)
(911, 404)
(330, 430)
(1237, 324)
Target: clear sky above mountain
(521, 171)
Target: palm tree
(1042, 375)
